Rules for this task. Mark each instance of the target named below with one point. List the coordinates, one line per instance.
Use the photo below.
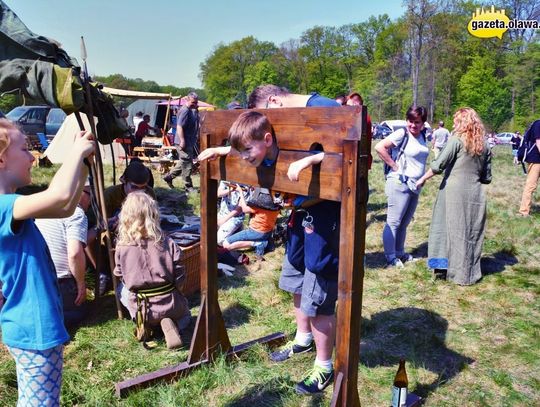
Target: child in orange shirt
(261, 225)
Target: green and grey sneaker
(288, 350)
(316, 381)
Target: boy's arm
(296, 167)
(213, 152)
(60, 199)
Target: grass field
(464, 346)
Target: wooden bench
(342, 176)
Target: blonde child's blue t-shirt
(31, 317)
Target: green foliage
(8, 102)
(230, 69)
(480, 89)
(376, 57)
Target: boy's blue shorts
(318, 294)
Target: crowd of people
(44, 261)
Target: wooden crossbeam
(322, 181)
(297, 128)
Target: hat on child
(137, 173)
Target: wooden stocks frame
(342, 176)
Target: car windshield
(56, 116)
(16, 113)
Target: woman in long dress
(457, 227)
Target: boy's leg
(291, 280)
(39, 375)
(244, 239)
(240, 244)
(318, 302)
(324, 333)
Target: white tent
(61, 144)
(147, 106)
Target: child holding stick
(31, 318)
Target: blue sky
(166, 40)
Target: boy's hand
(296, 167)
(294, 170)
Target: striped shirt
(57, 233)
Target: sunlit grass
(464, 346)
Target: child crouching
(149, 264)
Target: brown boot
(172, 337)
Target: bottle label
(399, 396)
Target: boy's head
(135, 177)
(265, 95)
(251, 135)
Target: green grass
(464, 346)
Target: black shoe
(316, 381)
(288, 350)
(168, 180)
(439, 274)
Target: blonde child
(31, 319)
(149, 264)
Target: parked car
(504, 138)
(37, 119)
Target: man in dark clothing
(186, 139)
(532, 137)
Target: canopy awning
(138, 95)
(182, 101)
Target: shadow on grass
(238, 279)
(413, 334)
(377, 259)
(270, 394)
(497, 262)
(236, 315)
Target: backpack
(397, 151)
(525, 147)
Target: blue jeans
(401, 207)
(250, 235)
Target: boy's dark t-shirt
(321, 256)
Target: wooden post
(351, 269)
(210, 334)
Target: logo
(494, 23)
(488, 24)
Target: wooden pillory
(342, 176)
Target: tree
(223, 73)
(480, 89)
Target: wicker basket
(191, 262)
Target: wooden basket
(191, 262)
